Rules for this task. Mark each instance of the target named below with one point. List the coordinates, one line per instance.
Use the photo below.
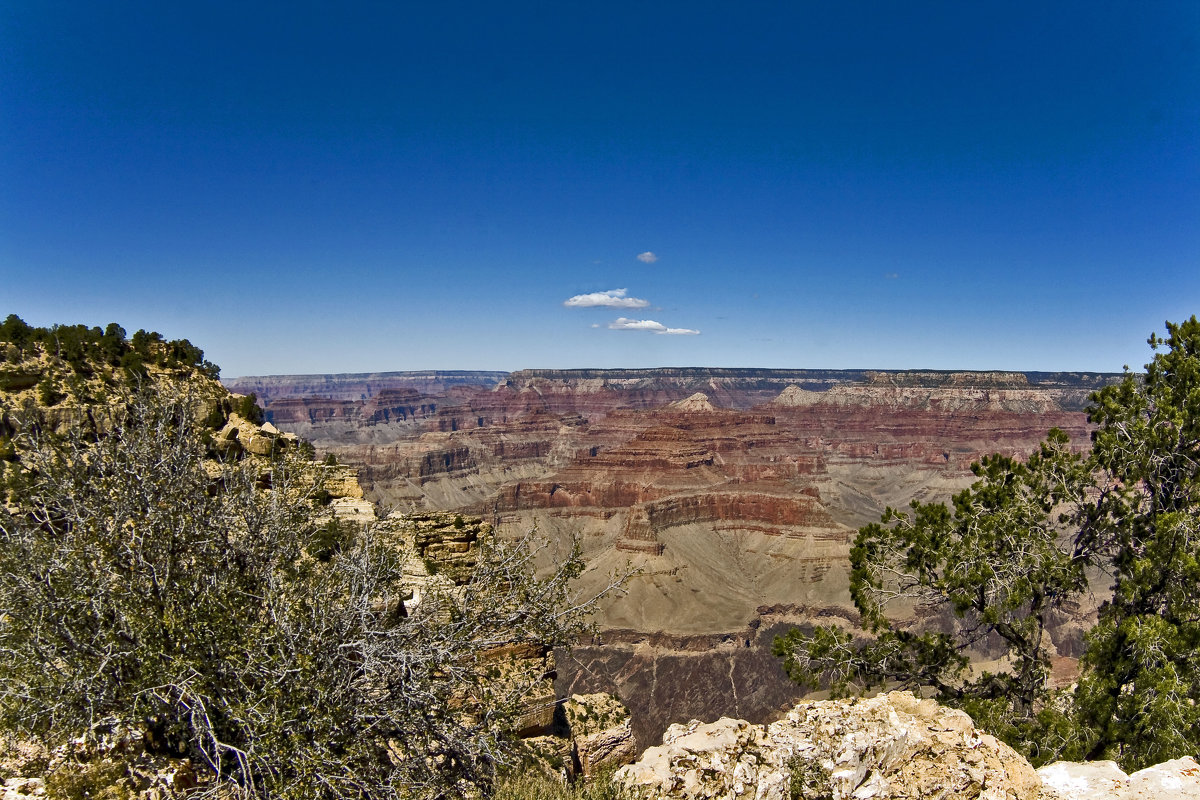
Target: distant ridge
(357, 385)
(911, 377)
(363, 385)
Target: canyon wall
(734, 495)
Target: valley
(734, 494)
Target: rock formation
(887, 747)
(892, 746)
(1104, 780)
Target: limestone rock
(23, 789)
(340, 481)
(1065, 780)
(891, 746)
(600, 727)
(1104, 780)
(349, 509)
(1171, 780)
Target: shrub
(182, 605)
(247, 408)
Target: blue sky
(320, 187)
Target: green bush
(330, 539)
(181, 604)
(248, 409)
(48, 393)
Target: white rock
(889, 747)
(1171, 780)
(1101, 780)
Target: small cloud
(647, 257)
(623, 324)
(613, 298)
(891, 276)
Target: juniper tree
(994, 566)
(1141, 685)
(1016, 546)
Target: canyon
(730, 496)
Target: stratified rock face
(892, 746)
(731, 491)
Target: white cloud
(647, 257)
(623, 324)
(613, 298)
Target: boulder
(1170, 780)
(892, 746)
(600, 728)
(1104, 780)
(1098, 780)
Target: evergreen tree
(995, 567)
(1015, 548)
(1141, 686)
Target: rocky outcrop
(447, 544)
(1104, 780)
(698, 402)
(601, 736)
(240, 435)
(892, 746)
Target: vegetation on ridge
(86, 349)
(1014, 551)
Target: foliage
(808, 778)
(1015, 549)
(94, 780)
(992, 572)
(176, 596)
(83, 348)
(535, 785)
(1141, 685)
(246, 407)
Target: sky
(312, 187)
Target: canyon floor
(734, 495)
